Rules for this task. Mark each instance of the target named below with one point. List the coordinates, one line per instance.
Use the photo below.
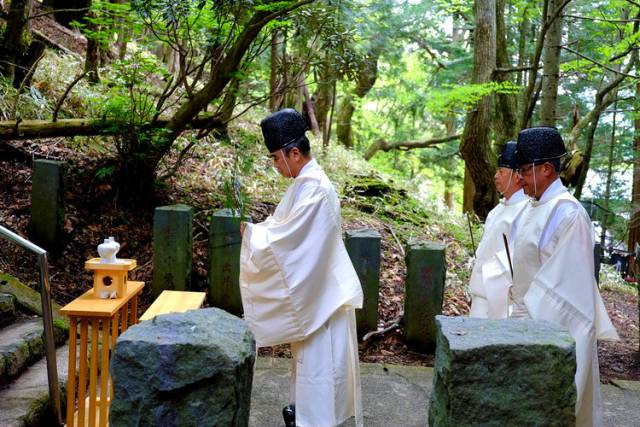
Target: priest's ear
(294, 153)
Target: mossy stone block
(516, 372)
(363, 246)
(224, 261)
(47, 205)
(424, 293)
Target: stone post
(503, 372)
(224, 261)
(47, 205)
(172, 248)
(363, 246)
(183, 369)
(424, 292)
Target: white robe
(491, 276)
(554, 281)
(298, 286)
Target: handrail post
(47, 315)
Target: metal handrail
(45, 297)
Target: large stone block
(47, 205)
(363, 246)
(183, 369)
(224, 261)
(502, 372)
(424, 292)
(172, 248)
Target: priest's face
(283, 163)
(503, 179)
(535, 178)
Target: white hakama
(325, 378)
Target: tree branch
(613, 21)
(382, 145)
(600, 64)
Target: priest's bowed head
(538, 154)
(284, 136)
(506, 178)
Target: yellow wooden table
(174, 302)
(108, 318)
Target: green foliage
(461, 98)
(105, 172)
(106, 19)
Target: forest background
(408, 102)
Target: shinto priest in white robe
(554, 280)
(298, 286)
(491, 277)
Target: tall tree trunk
(323, 94)
(449, 175)
(505, 118)
(124, 34)
(634, 221)
(309, 110)
(365, 79)
(13, 45)
(275, 78)
(92, 59)
(522, 44)
(343, 122)
(607, 188)
(475, 147)
(551, 68)
(529, 96)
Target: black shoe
(289, 415)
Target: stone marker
(510, 372)
(424, 292)
(183, 369)
(363, 246)
(47, 205)
(172, 248)
(224, 261)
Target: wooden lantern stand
(102, 313)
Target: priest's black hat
(507, 159)
(282, 128)
(539, 145)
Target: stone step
(25, 402)
(21, 344)
(7, 309)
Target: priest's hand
(242, 226)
